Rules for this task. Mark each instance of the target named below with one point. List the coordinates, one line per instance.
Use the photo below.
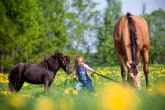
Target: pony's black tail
(15, 77)
(11, 85)
(133, 37)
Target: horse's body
(131, 39)
(41, 73)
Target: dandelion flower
(118, 97)
(45, 103)
(160, 88)
(25, 84)
(67, 91)
(75, 92)
(16, 101)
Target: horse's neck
(56, 65)
(48, 65)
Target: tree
(20, 36)
(156, 24)
(81, 24)
(30, 29)
(106, 52)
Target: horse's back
(16, 72)
(142, 31)
(122, 34)
(19, 69)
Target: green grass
(153, 99)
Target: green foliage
(32, 94)
(80, 24)
(106, 52)
(30, 29)
(156, 25)
(33, 29)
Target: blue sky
(135, 6)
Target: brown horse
(131, 40)
(41, 73)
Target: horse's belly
(33, 78)
(34, 81)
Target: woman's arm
(75, 74)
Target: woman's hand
(92, 74)
(74, 77)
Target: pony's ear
(60, 56)
(67, 58)
(45, 58)
(57, 53)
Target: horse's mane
(133, 36)
(55, 55)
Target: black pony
(41, 73)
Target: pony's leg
(146, 68)
(19, 85)
(46, 85)
(11, 86)
(50, 83)
(123, 73)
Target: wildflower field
(107, 95)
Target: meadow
(107, 95)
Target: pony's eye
(63, 62)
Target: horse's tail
(15, 77)
(133, 37)
(12, 82)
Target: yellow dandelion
(25, 84)
(45, 103)
(5, 92)
(26, 95)
(67, 91)
(16, 101)
(150, 91)
(97, 78)
(117, 97)
(75, 92)
(3, 78)
(160, 88)
(95, 94)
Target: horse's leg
(123, 73)
(11, 86)
(145, 68)
(46, 85)
(49, 86)
(19, 85)
(50, 83)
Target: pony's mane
(57, 54)
(133, 37)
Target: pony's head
(64, 62)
